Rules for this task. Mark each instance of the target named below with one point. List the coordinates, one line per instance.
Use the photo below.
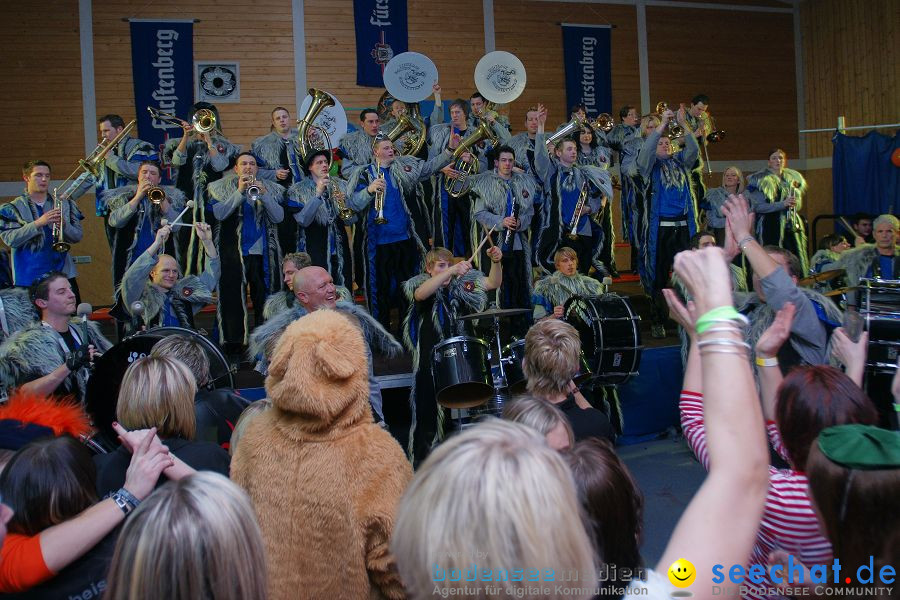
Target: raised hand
(773, 338)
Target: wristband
(128, 497)
(722, 313)
(766, 362)
(744, 240)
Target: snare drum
(461, 371)
(102, 393)
(610, 335)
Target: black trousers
(669, 242)
(513, 293)
(256, 282)
(583, 247)
(394, 264)
(425, 411)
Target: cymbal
(496, 313)
(839, 291)
(820, 277)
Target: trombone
(203, 121)
(713, 137)
(91, 168)
(576, 214)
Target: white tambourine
(410, 76)
(332, 119)
(500, 77)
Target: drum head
(609, 333)
(102, 393)
(409, 77)
(500, 77)
(332, 119)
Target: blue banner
(381, 32)
(162, 64)
(586, 56)
(864, 178)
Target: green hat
(861, 447)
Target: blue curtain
(865, 179)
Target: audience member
(543, 417)
(253, 410)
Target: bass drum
(610, 335)
(461, 371)
(102, 393)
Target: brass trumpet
(254, 191)
(203, 121)
(674, 131)
(379, 199)
(156, 195)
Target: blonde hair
(192, 538)
(552, 354)
(564, 252)
(158, 391)
(189, 351)
(253, 410)
(498, 489)
(539, 414)
(740, 175)
(435, 254)
(646, 123)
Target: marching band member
(322, 226)
(135, 219)
(732, 185)
(565, 182)
(398, 107)
(356, 147)
(881, 259)
(628, 128)
(776, 195)
(26, 226)
(697, 118)
(391, 251)
(199, 159)
(313, 289)
(51, 356)
(553, 291)
(592, 151)
(671, 210)
(284, 299)
(503, 200)
(169, 300)
(452, 216)
(436, 297)
(523, 145)
(478, 105)
(278, 156)
(248, 209)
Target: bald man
(314, 289)
(167, 300)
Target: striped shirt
(788, 522)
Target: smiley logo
(682, 573)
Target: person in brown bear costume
(325, 481)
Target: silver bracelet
(722, 342)
(744, 240)
(722, 351)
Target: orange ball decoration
(895, 157)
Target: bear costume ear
(334, 359)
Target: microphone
(84, 311)
(137, 314)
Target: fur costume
(195, 170)
(357, 150)
(26, 240)
(265, 338)
(35, 351)
(267, 150)
(338, 477)
(119, 169)
(16, 311)
(231, 314)
(521, 144)
(324, 236)
(285, 300)
(127, 223)
(406, 173)
(768, 193)
(554, 227)
(556, 289)
(712, 203)
(188, 296)
(677, 170)
(858, 261)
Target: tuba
(459, 186)
(90, 167)
(408, 77)
(310, 136)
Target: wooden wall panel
(742, 61)
(531, 31)
(852, 65)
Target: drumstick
(846, 225)
(164, 222)
(481, 245)
(490, 241)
